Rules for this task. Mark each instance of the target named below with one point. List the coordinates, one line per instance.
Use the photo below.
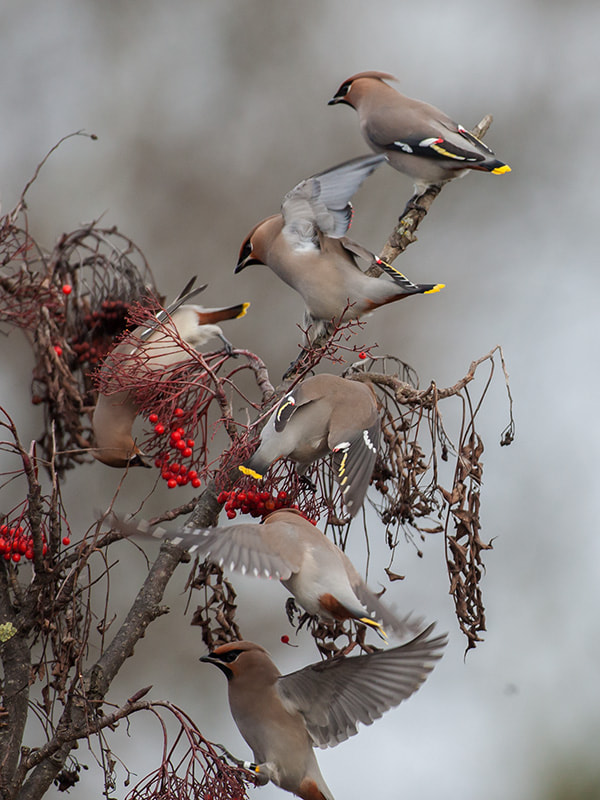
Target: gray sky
(207, 113)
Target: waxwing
(416, 138)
(283, 717)
(321, 415)
(306, 247)
(159, 344)
(287, 546)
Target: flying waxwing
(283, 717)
(159, 344)
(321, 415)
(305, 245)
(288, 547)
(416, 138)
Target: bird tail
(377, 627)
(209, 316)
(254, 467)
(408, 286)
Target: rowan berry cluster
(15, 543)
(174, 472)
(257, 504)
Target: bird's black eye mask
(227, 657)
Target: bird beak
(138, 461)
(207, 659)
(245, 262)
(334, 101)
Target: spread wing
(334, 696)
(267, 551)
(321, 204)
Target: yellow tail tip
(247, 471)
(501, 170)
(376, 625)
(437, 288)
(245, 307)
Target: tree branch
(16, 666)
(75, 721)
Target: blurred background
(207, 113)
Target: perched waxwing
(416, 138)
(159, 345)
(283, 717)
(287, 546)
(305, 245)
(321, 415)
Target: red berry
(196, 482)
(160, 429)
(7, 555)
(231, 514)
(58, 350)
(22, 547)
(66, 541)
(190, 442)
(187, 452)
(179, 412)
(221, 497)
(172, 483)
(175, 468)
(282, 496)
(2, 545)
(285, 639)
(29, 554)
(180, 445)
(362, 355)
(66, 289)
(16, 557)
(153, 418)
(175, 435)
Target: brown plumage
(305, 245)
(288, 547)
(283, 717)
(324, 414)
(415, 137)
(158, 344)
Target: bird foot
(227, 346)
(413, 205)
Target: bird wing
(334, 696)
(357, 249)
(321, 203)
(295, 399)
(353, 462)
(163, 315)
(423, 130)
(270, 551)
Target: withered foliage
(71, 302)
(216, 613)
